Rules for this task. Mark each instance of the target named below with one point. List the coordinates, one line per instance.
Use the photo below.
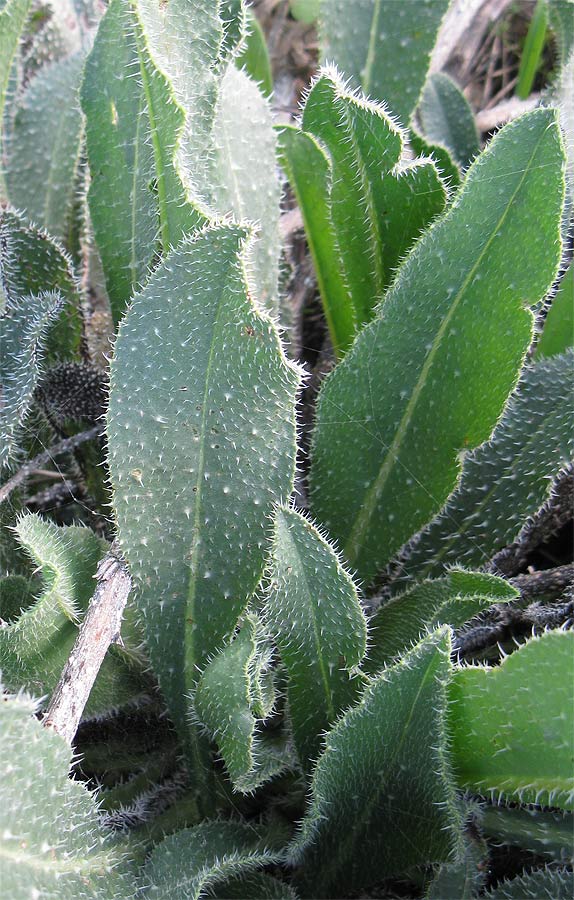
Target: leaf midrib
(356, 537)
(371, 50)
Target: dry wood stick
(62, 447)
(100, 628)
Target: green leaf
(254, 57)
(558, 332)
(389, 436)
(13, 17)
(196, 860)
(462, 879)
(306, 11)
(35, 647)
(387, 50)
(447, 119)
(507, 480)
(561, 18)
(447, 168)
(227, 150)
(539, 831)
(513, 726)
(451, 600)
(309, 173)
(16, 595)
(201, 434)
(383, 798)
(378, 204)
(242, 176)
(543, 884)
(256, 887)
(228, 703)
(312, 610)
(24, 326)
(51, 842)
(532, 51)
(31, 263)
(133, 127)
(41, 174)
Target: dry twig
(100, 628)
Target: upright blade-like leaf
(51, 842)
(35, 646)
(387, 50)
(451, 600)
(195, 860)
(242, 177)
(228, 133)
(254, 57)
(378, 205)
(24, 327)
(507, 480)
(513, 726)
(389, 436)
(228, 703)
(41, 174)
(202, 443)
(13, 17)
(31, 263)
(558, 333)
(447, 119)
(307, 167)
(133, 127)
(383, 797)
(541, 884)
(313, 612)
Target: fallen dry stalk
(100, 628)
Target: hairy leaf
(16, 595)
(35, 647)
(51, 842)
(24, 326)
(254, 57)
(513, 726)
(383, 797)
(13, 15)
(41, 173)
(447, 119)
(462, 879)
(256, 887)
(389, 436)
(133, 127)
(202, 443)
(451, 600)
(558, 332)
(31, 263)
(228, 702)
(447, 168)
(543, 884)
(387, 50)
(309, 173)
(228, 134)
(378, 205)
(197, 860)
(539, 831)
(313, 612)
(507, 480)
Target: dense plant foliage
(318, 697)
